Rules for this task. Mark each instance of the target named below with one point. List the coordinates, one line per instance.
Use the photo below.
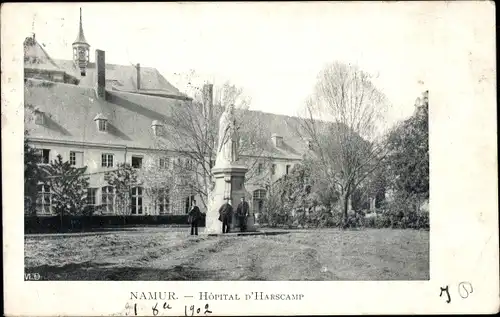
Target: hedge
(42, 224)
(327, 219)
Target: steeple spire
(81, 49)
(80, 39)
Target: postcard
(244, 158)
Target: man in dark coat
(226, 216)
(194, 218)
(242, 212)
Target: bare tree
(122, 179)
(161, 180)
(192, 133)
(341, 121)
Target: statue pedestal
(229, 182)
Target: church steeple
(81, 49)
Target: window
(43, 155)
(75, 158)
(260, 167)
(136, 161)
(39, 118)
(165, 162)
(43, 200)
(258, 200)
(288, 169)
(72, 158)
(158, 130)
(46, 156)
(273, 169)
(108, 199)
(101, 121)
(177, 162)
(91, 198)
(279, 141)
(164, 202)
(309, 144)
(136, 201)
(188, 202)
(101, 124)
(107, 160)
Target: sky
(274, 51)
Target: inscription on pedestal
(238, 183)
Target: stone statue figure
(228, 138)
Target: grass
(170, 254)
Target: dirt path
(174, 255)
(262, 258)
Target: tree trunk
(124, 213)
(61, 227)
(345, 208)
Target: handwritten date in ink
(156, 308)
(192, 310)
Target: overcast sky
(273, 50)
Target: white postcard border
(463, 203)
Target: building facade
(99, 115)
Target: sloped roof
(123, 78)
(35, 57)
(70, 111)
(292, 147)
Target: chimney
(208, 95)
(138, 76)
(100, 63)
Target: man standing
(242, 212)
(194, 218)
(226, 216)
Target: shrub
(34, 224)
(369, 222)
(320, 217)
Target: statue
(229, 177)
(227, 151)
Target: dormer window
(102, 122)
(39, 117)
(309, 144)
(277, 140)
(157, 127)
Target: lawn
(158, 254)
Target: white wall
(92, 159)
